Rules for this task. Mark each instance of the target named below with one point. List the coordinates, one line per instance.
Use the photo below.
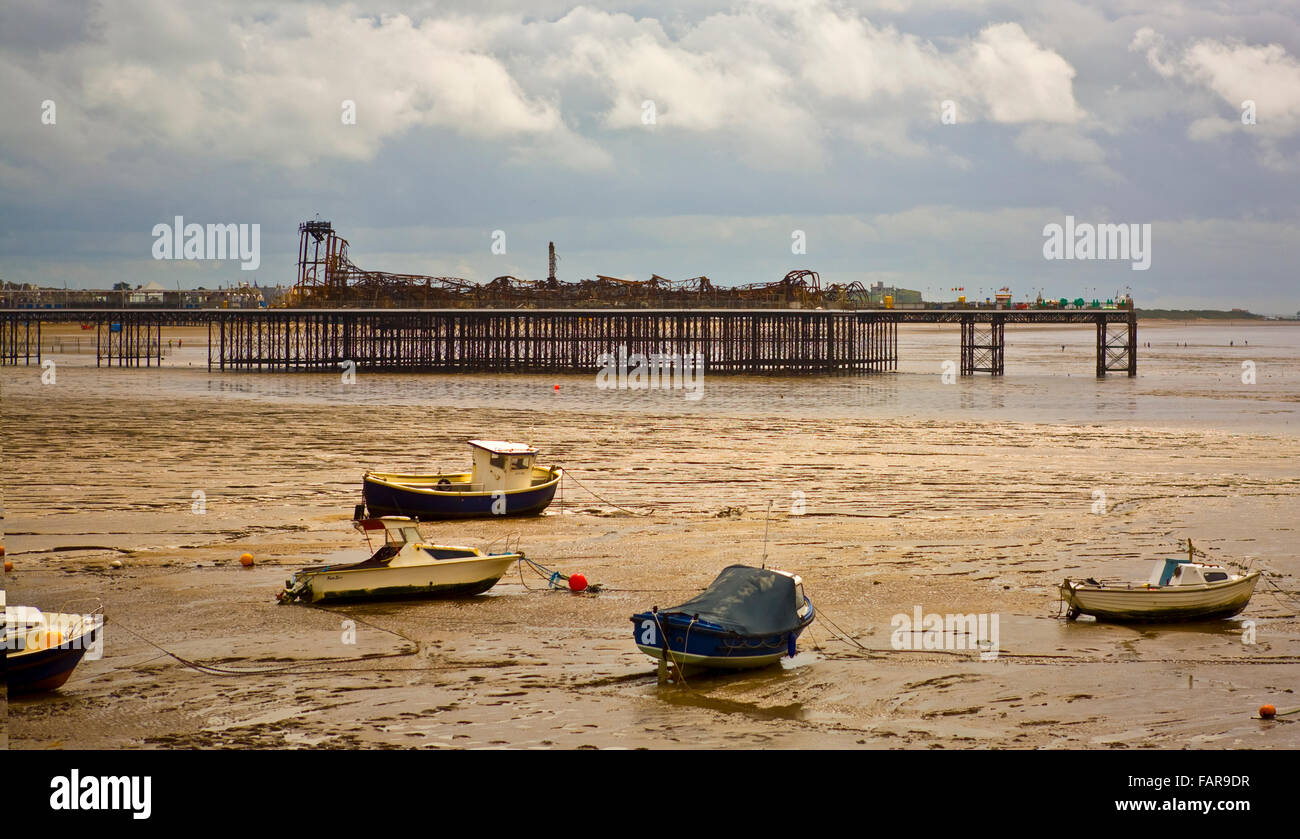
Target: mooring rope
(569, 474)
(213, 670)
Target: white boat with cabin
(405, 566)
(1177, 590)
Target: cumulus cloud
(273, 87)
(774, 81)
(1261, 78)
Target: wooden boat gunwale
(415, 483)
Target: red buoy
(577, 582)
(557, 387)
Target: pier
(734, 341)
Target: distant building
(877, 293)
(147, 295)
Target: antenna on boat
(766, 526)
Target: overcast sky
(768, 118)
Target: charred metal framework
(328, 278)
(753, 341)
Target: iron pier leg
(1132, 340)
(1101, 346)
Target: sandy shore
(950, 516)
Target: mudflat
(887, 494)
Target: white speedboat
(405, 566)
(1177, 590)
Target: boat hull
(701, 647)
(47, 669)
(417, 497)
(440, 579)
(1161, 604)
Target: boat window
(1215, 576)
(411, 534)
(518, 463)
(498, 460)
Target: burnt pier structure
(736, 341)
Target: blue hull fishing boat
(504, 482)
(43, 648)
(746, 618)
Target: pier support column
(130, 339)
(1132, 339)
(20, 338)
(1101, 347)
(1117, 351)
(982, 345)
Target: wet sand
(952, 512)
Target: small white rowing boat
(405, 566)
(1178, 590)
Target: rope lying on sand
(1287, 597)
(214, 670)
(568, 474)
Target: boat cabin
(800, 603)
(1182, 572)
(502, 467)
(398, 531)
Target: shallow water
(1190, 376)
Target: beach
(887, 493)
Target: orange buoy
(44, 639)
(577, 582)
(1267, 712)
(246, 560)
(2, 550)
(9, 565)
